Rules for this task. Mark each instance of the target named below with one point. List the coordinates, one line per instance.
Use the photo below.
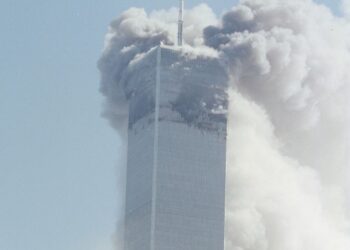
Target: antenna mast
(181, 23)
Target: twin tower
(175, 188)
(176, 157)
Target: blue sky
(58, 185)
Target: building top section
(192, 88)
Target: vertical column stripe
(155, 148)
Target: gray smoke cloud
(287, 145)
(134, 34)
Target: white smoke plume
(287, 147)
(345, 8)
(287, 163)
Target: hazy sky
(57, 156)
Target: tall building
(175, 191)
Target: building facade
(176, 158)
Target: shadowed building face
(175, 194)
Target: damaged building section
(193, 89)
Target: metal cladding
(175, 194)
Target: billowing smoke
(288, 62)
(134, 34)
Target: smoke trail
(288, 62)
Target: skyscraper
(175, 191)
